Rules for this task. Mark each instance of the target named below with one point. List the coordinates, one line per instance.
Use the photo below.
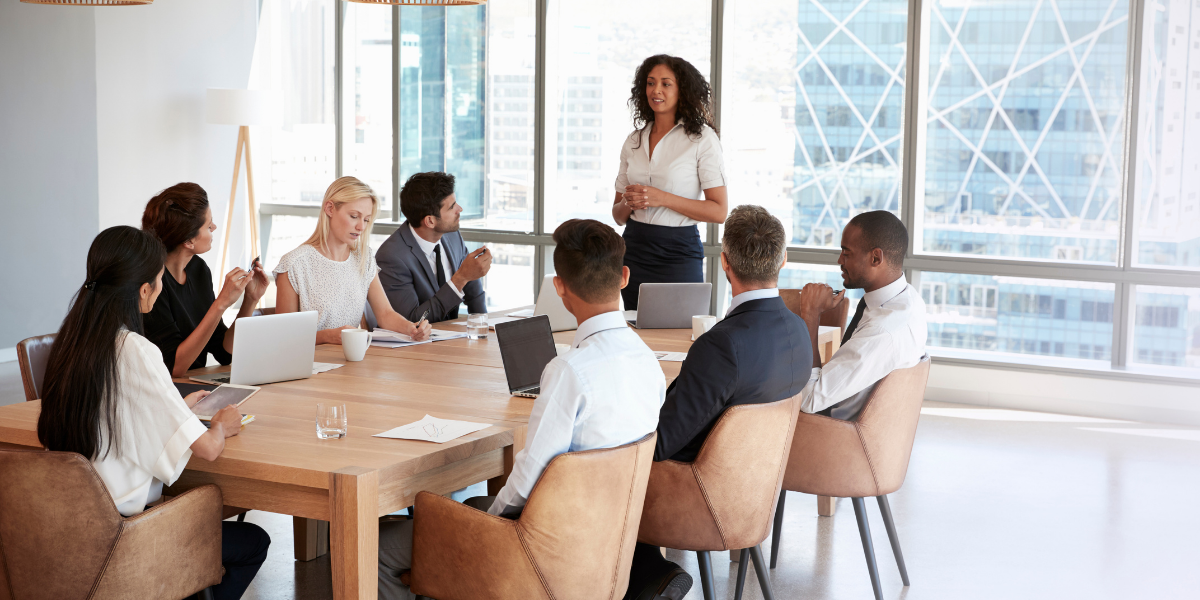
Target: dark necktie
(858, 313)
(437, 260)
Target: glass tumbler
(331, 421)
(477, 326)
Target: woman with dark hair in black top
(186, 321)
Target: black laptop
(526, 347)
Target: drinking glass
(477, 326)
(331, 421)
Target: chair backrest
(580, 523)
(887, 424)
(740, 467)
(58, 524)
(834, 317)
(32, 354)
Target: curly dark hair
(695, 95)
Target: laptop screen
(526, 347)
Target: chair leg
(241, 518)
(206, 594)
(760, 569)
(706, 575)
(886, 510)
(864, 531)
(778, 529)
(741, 576)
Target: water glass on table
(331, 421)
(477, 326)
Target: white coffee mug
(701, 324)
(562, 349)
(355, 343)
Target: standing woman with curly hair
(672, 175)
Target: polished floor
(997, 504)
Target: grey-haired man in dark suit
(424, 265)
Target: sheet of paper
(528, 312)
(322, 367)
(670, 356)
(383, 338)
(433, 429)
(441, 335)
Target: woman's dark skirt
(660, 254)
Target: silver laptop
(526, 347)
(270, 348)
(551, 305)
(669, 305)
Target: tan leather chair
(859, 459)
(574, 539)
(834, 317)
(32, 354)
(61, 537)
(723, 500)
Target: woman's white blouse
(682, 165)
(157, 428)
(336, 290)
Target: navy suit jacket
(411, 284)
(760, 353)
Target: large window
(813, 110)
(1025, 121)
(1167, 212)
(593, 50)
(1044, 155)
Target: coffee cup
(701, 324)
(355, 343)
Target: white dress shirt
(890, 336)
(682, 165)
(751, 295)
(427, 248)
(157, 428)
(605, 392)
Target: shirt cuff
(455, 288)
(178, 451)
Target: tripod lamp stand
(242, 108)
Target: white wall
(48, 164)
(153, 66)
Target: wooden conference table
(277, 464)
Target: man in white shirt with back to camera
(605, 392)
(888, 330)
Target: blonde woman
(334, 272)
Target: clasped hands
(637, 197)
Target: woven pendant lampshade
(424, 2)
(90, 2)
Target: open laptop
(526, 347)
(270, 348)
(551, 305)
(669, 305)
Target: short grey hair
(754, 244)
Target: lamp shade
(236, 107)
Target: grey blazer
(411, 284)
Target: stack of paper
(433, 429)
(670, 356)
(319, 367)
(383, 338)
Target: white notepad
(433, 429)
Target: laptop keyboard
(224, 379)
(529, 392)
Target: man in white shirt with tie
(888, 331)
(605, 392)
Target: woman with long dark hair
(186, 321)
(672, 175)
(108, 396)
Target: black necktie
(437, 260)
(858, 313)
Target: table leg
(311, 538)
(354, 533)
(826, 506)
(495, 484)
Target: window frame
(1125, 275)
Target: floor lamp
(242, 108)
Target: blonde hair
(341, 191)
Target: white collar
(426, 245)
(880, 296)
(751, 295)
(598, 323)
